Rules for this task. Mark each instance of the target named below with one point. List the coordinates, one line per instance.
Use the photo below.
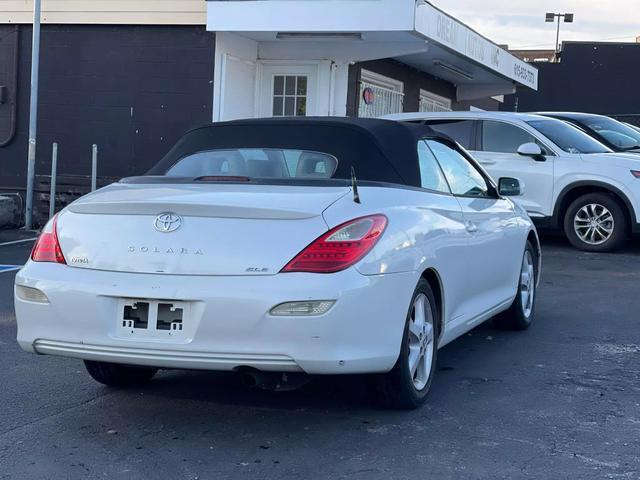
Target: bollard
(94, 167)
(54, 169)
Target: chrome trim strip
(166, 358)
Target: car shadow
(560, 244)
(323, 393)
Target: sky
(520, 23)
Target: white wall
(341, 86)
(310, 16)
(131, 12)
(234, 81)
(242, 81)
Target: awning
(415, 33)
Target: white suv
(573, 182)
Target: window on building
(503, 137)
(430, 102)
(379, 95)
(462, 131)
(290, 95)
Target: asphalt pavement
(560, 401)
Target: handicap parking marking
(9, 268)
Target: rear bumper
(166, 358)
(228, 326)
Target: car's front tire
(116, 375)
(406, 386)
(520, 314)
(596, 222)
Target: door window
(290, 95)
(503, 137)
(463, 177)
(462, 131)
(431, 174)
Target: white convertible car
(283, 248)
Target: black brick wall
(592, 77)
(133, 90)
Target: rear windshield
(256, 163)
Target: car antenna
(354, 185)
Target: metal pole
(54, 169)
(558, 37)
(94, 167)
(33, 113)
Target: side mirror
(532, 150)
(510, 187)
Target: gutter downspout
(14, 93)
(332, 89)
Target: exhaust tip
(249, 379)
(272, 381)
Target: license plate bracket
(153, 319)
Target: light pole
(551, 17)
(33, 114)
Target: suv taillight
(47, 247)
(341, 247)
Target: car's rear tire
(406, 386)
(521, 313)
(596, 222)
(116, 375)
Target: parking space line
(25, 240)
(9, 268)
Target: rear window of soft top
(255, 163)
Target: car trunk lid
(194, 229)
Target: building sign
(450, 33)
(369, 96)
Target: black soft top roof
(379, 150)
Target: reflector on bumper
(302, 309)
(29, 294)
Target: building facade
(358, 57)
(132, 75)
(592, 77)
(128, 76)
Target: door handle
(471, 227)
(487, 162)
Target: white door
(494, 259)
(287, 90)
(238, 77)
(498, 154)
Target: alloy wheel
(594, 224)
(421, 341)
(527, 284)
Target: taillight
(341, 247)
(47, 248)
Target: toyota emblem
(167, 222)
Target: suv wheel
(596, 223)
